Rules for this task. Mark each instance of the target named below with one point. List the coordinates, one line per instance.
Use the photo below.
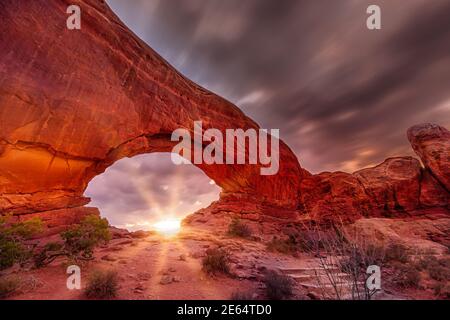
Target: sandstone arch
(74, 102)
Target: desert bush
(81, 239)
(48, 254)
(241, 295)
(239, 229)
(340, 249)
(78, 242)
(13, 240)
(442, 290)
(102, 285)
(287, 246)
(438, 270)
(216, 260)
(426, 261)
(397, 252)
(7, 286)
(407, 275)
(278, 286)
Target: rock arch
(72, 102)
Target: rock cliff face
(72, 102)
(399, 187)
(432, 144)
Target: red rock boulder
(432, 144)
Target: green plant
(13, 240)
(48, 254)
(278, 286)
(102, 285)
(239, 229)
(78, 242)
(7, 287)
(216, 260)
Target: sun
(168, 227)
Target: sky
(342, 96)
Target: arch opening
(149, 192)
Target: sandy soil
(156, 267)
(142, 264)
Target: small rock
(313, 296)
(141, 234)
(124, 242)
(115, 249)
(172, 269)
(176, 279)
(262, 268)
(166, 280)
(109, 258)
(197, 254)
(182, 257)
(164, 272)
(144, 276)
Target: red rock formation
(335, 196)
(392, 185)
(432, 144)
(399, 187)
(72, 102)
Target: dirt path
(159, 268)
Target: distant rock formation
(399, 187)
(432, 144)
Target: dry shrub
(216, 261)
(8, 286)
(407, 276)
(240, 295)
(397, 252)
(438, 269)
(278, 286)
(286, 246)
(239, 229)
(341, 250)
(442, 290)
(102, 285)
(439, 273)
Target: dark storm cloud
(342, 95)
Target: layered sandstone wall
(398, 187)
(72, 102)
